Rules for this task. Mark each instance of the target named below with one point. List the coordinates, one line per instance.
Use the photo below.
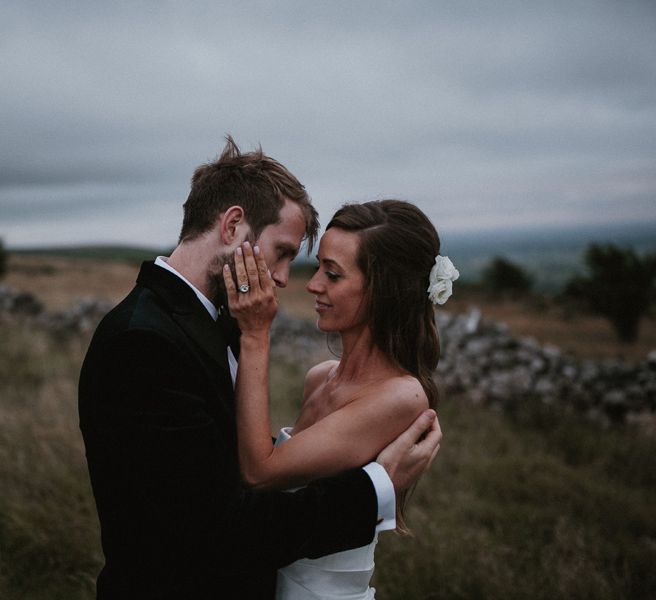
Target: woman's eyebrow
(329, 261)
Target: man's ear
(231, 225)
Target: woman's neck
(361, 359)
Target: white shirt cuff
(385, 494)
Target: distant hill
(550, 255)
(105, 252)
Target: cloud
(485, 115)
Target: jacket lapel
(191, 316)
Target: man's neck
(212, 309)
(189, 260)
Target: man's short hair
(254, 181)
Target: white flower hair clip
(441, 279)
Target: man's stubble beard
(216, 285)
(215, 282)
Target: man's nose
(281, 277)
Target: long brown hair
(398, 246)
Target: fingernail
(238, 251)
(226, 267)
(247, 245)
(430, 413)
(256, 250)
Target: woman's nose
(313, 285)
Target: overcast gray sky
(485, 114)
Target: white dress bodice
(339, 576)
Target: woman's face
(338, 284)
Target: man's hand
(407, 457)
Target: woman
(377, 269)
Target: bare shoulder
(404, 395)
(316, 375)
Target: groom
(157, 415)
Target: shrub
(3, 259)
(502, 276)
(619, 285)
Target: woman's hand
(252, 300)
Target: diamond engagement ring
(243, 288)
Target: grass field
(534, 504)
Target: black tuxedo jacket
(157, 416)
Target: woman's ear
(231, 225)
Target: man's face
(280, 242)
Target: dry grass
(58, 282)
(49, 544)
(534, 504)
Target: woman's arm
(348, 437)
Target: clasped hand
(251, 293)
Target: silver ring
(243, 288)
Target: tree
(503, 276)
(620, 285)
(3, 259)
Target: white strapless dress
(340, 576)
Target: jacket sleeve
(163, 462)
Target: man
(157, 414)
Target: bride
(378, 276)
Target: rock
(478, 346)
(569, 371)
(538, 365)
(81, 317)
(530, 344)
(651, 359)
(551, 353)
(545, 387)
(473, 322)
(19, 303)
(503, 359)
(615, 404)
(589, 371)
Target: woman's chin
(322, 325)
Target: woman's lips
(320, 306)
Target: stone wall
(80, 317)
(483, 360)
(479, 359)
